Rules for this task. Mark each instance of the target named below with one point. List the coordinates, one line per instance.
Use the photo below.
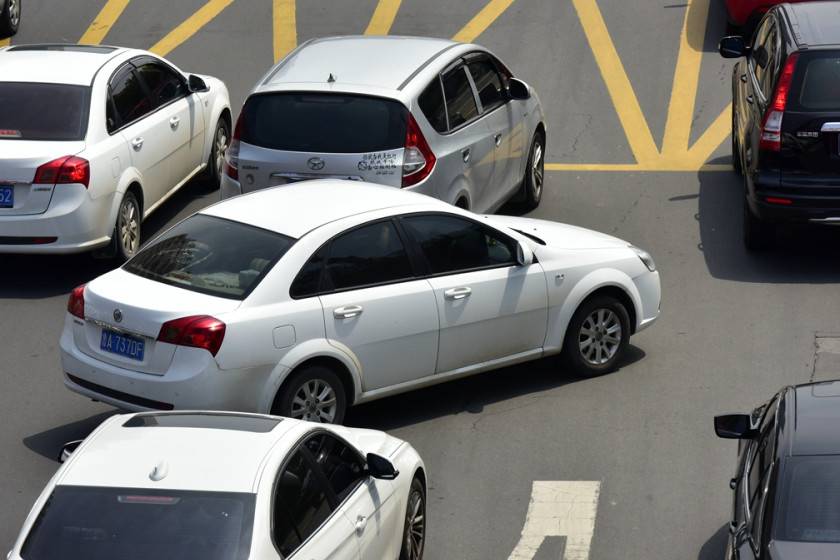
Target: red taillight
(62, 171)
(198, 331)
(418, 157)
(232, 158)
(771, 125)
(76, 303)
(782, 201)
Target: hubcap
(416, 526)
(537, 170)
(315, 401)
(221, 148)
(129, 227)
(600, 336)
(14, 12)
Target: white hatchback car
(94, 138)
(226, 486)
(305, 299)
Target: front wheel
(414, 529)
(532, 183)
(10, 18)
(315, 394)
(597, 336)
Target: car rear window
(30, 111)
(131, 523)
(809, 508)
(819, 82)
(331, 123)
(211, 255)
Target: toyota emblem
(117, 315)
(315, 164)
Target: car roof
(816, 428)
(385, 62)
(815, 24)
(296, 209)
(217, 451)
(54, 63)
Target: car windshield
(91, 523)
(43, 111)
(819, 75)
(328, 123)
(212, 256)
(809, 505)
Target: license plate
(122, 344)
(7, 196)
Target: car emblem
(315, 164)
(117, 315)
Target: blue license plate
(7, 196)
(122, 344)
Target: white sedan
(305, 299)
(93, 139)
(228, 486)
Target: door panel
(150, 142)
(371, 509)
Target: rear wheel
(10, 18)
(414, 529)
(315, 394)
(597, 336)
(532, 183)
(215, 166)
(126, 237)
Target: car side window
(307, 283)
(760, 55)
(130, 100)
(460, 101)
(301, 504)
(488, 82)
(452, 244)
(368, 255)
(163, 83)
(762, 457)
(433, 107)
(340, 463)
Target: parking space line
(103, 22)
(655, 166)
(482, 20)
(285, 28)
(717, 132)
(383, 17)
(190, 26)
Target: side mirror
(734, 426)
(732, 47)
(517, 89)
(524, 256)
(67, 449)
(197, 85)
(380, 467)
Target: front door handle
(750, 99)
(466, 155)
(498, 139)
(347, 311)
(457, 293)
(361, 522)
(744, 78)
(174, 122)
(137, 143)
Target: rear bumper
(795, 202)
(229, 188)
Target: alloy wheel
(600, 336)
(537, 170)
(129, 226)
(315, 401)
(14, 13)
(415, 534)
(220, 147)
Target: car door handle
(744, 78)
(466, 155)
(361, 522)
(174, 122)
(137, 144)
(457, 293)
(347, 311)
(750, 99)
(498, 139)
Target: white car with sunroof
(225, 486)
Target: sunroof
(69, 48)
(206, 420)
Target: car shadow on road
(50, 442)
(803, 254)
(470, 394)
(715, 547)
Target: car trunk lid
(19, 160)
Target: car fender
(215, 102)
(458, 188)
(533, 116)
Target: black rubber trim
(12, 240)
(119, 395)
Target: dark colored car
(786, 118)
(787, 487)
(9, 17)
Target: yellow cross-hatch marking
(285, 28)
(482, 20)
(383, 17)
(190, 26)
(5, 42)
(102, 24)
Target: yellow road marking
(190, 26)
(663, 166)
(482, 20)
(618, 84)
(5, 42)
(102, 24)
(383, 17)
(285, 28)
(714, 135)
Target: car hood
(557, 235)
(789, 550)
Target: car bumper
(796, 202)
(650, 293)
(229, 187)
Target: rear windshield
(809, 509)
(818, 74)
(137, 524)
(212, 256)
(43, 111)
(331, 123)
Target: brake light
(232, 158)
(782, 201)
(62, 171)
(197, 331)
(76, 303)
(771, 125)
(418, 157)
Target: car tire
(216, 161)
(758, 234)
(736, 148)
(414, 528)
(591, 346)
(127, 230)
(315, 394)
(534, 179)
(10, 18)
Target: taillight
(76, 303)
(771, 125)
(62, 171)
(232, 158)
(197, 331)
(418, 157)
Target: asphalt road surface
(636, 100)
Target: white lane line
(560, 508)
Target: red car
(746, 13)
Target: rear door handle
(361, 522)
(744, 78)
(466, 155)
(137, 143)
(457, 293)
(498, 139)
(174, 122)
(750, 99)
(347, 311)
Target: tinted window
(460, 101)
(333, 123)
(339, 463)
(43, 111)
(371, 254)
(108, 523)
(308, 281)
(818, 82)
(451, 244)
(300, 504)
(432, 105)
(211, 255)
(163, 83)
(130, 100)
(488, 83)
(809, 505)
